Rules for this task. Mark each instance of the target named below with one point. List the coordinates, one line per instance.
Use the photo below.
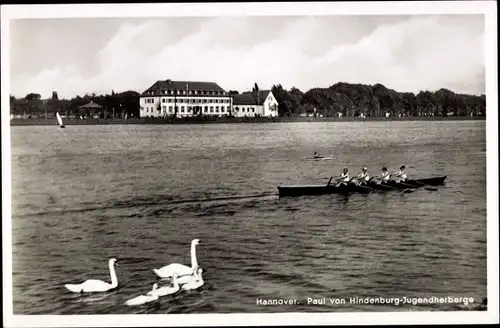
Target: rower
(316, 155)
(401, 175)
(385, 176)
(363, 177)
(343, 178)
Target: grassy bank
(207, 120)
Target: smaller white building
(255, 104)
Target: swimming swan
(195, 282)
(186, 278)
(167, 290)
(182, 270)
(93, 285)
(149, 297)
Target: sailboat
(59, 119)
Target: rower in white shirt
(401, 175)
(343, 178)
(385, 176)
(363, 177)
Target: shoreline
(227, 120)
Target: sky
(75, 56)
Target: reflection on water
(84, 194)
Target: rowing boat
(319, 158)
(301, 190)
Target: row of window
(188, 100)
(243, 109)
(196, 101)
(189, 109)
(191, 92)
(170, 108)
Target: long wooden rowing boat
(301, 190)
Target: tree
(255, 87)
(54, 95)
(33, 96)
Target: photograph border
(487, 8)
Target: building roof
(168, 87)
(243, 99)
(251, 98)
(91, 105)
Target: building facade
(184, 99)
(255, 104)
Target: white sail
(59, 119)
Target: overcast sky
(405, 53)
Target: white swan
(181, 269)
(167, 290)
(93, 285)
(195, 282)
(186, 278)
(142, 299)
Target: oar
(368, 188)
(389, 186)
(329, 181)
(365, 187)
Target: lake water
(141, 193)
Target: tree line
(114, 105)
(340, 99)
(375, 100)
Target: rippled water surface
(84, 194)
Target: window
(170, 107)
(190, 109)
(182, 109)
(237, 108)
(206, 109)
(190, 92)
(183, 92)
(163, 100)
(169, 100)
(227, 108)
(210, 101)
(222, 109)
(164, 107)
(253, 110)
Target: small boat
(320, 158)
(302, 190)
(60, 121)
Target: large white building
(183, 99)
(254, 104)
